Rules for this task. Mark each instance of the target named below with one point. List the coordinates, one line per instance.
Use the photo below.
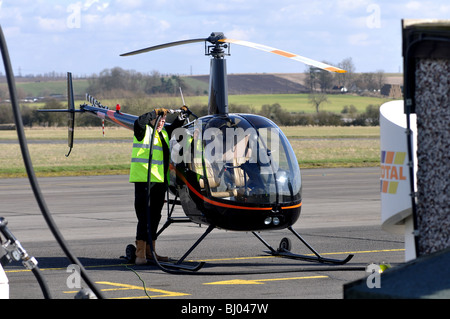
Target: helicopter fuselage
(236, 172)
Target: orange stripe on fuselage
(293, 206)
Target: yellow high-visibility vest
(140, 154)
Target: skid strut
(178, 265)
(172, 220)
(282, 252)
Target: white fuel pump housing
(4, 284)
(395, 187)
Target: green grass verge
(297, 103)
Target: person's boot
(149, 253)
(140, 253)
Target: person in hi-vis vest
(159, 172)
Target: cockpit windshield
(245, 158)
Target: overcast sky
(88, 36)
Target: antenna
(182, 98)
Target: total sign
(393, 169)
(395, 188)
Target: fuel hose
(30, 170)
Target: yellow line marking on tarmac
(259, 281)
(122, 287)
(65, 268)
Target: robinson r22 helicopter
(237, 172)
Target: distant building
(394, 91)
(340, 88)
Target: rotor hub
(217, 50)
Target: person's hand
(185, 109)
(161, 111)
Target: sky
(86, 37)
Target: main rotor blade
(286, 54)
(162, 46)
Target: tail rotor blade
(286, 54)
(71, 114)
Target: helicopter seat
(213, 182)
(242, 154)
(239, 177)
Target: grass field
(38, 88)
(314, 147)
(297, 103)
(289, 102)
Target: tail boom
(116, 117)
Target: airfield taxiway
(340, 215)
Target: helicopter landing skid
(284, 251)
(177, 266)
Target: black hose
(149, 227)
(42, 283)
(149, 175)
(29, 167)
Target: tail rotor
(71, 114)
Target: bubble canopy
(244, 158)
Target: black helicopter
(235, 172)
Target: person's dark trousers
(156, 202)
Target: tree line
(119, 83)
(350, 81)
(349, 116)
(136, 87)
